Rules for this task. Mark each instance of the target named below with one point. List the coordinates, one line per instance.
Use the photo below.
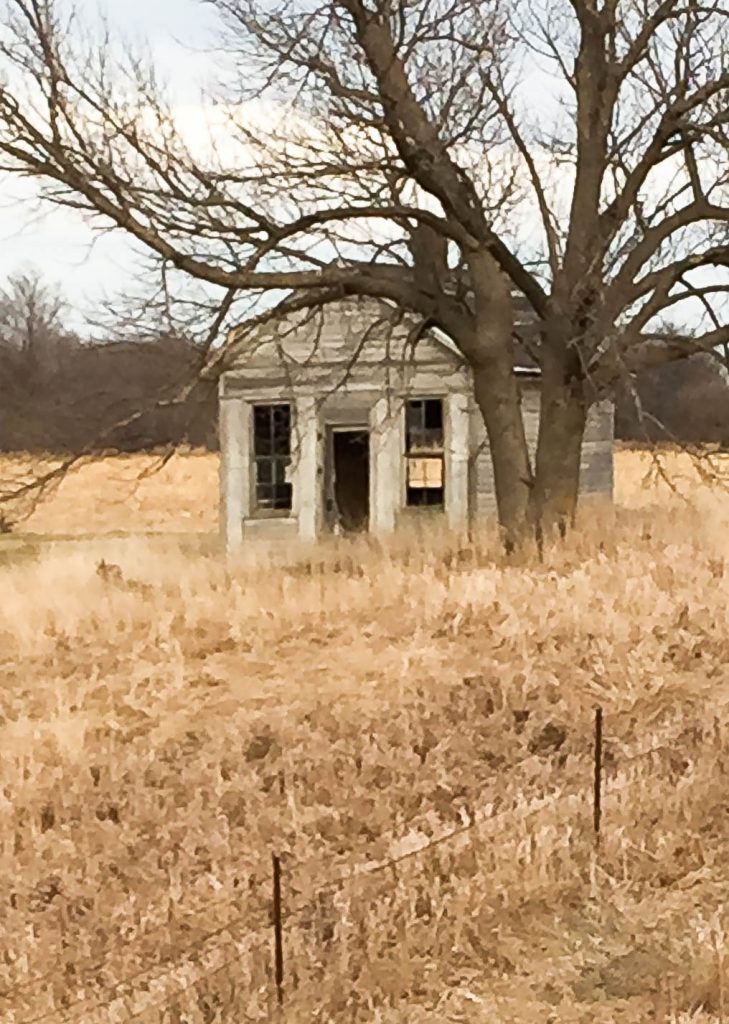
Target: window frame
(436, 453)
(258, 510)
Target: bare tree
(33, 330)
(398, 148)
(137, 387)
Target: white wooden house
(340, 421)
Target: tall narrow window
(424, 452)
(272, 457)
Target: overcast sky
(89, 266)
(57, 243)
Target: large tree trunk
(490, 353)
(497, 397)
(562, 419)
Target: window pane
(431, 440)
(264, 495)
(414, 424)
(433, 414)
(424, 425)
(272, 451)
(429, 497)
(262, 430)
(282, 430)
(282, 500)
(415, 414)
(264, 471)
(425, 473)
(271, 429)
(272, 490)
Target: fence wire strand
(127, 981)
(98, 962)
(355, 872)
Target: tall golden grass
(165, 728)
(121, 494)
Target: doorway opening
(350, 479)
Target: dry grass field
(167, 726)
(125, 494)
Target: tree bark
(496, 390)
(497, 397)
(563, 415)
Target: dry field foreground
(164, 731)
(137, 493)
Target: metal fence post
(278, 929)
(597, 795)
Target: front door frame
(330, 506)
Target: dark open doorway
(350, 478)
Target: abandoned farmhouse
(342, 421)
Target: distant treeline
(77, 400)
(107, 396)
(60, 394)
(685, 401)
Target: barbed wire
(356, 871)
(165, 1003)
(397, 833)
(392, 863)
(171, 998)
(98, 961)
(129, 979)
(359, 870)
(479, 819)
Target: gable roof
(524, 363)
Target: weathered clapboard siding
(433, 378)
(596, 463)
(373, 332)
(483, 497)
(600, 422)
(335, 361)
(596, 469)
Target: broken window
(272, 457)
(424, 452)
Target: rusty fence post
(278, 929)
(597, 794)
